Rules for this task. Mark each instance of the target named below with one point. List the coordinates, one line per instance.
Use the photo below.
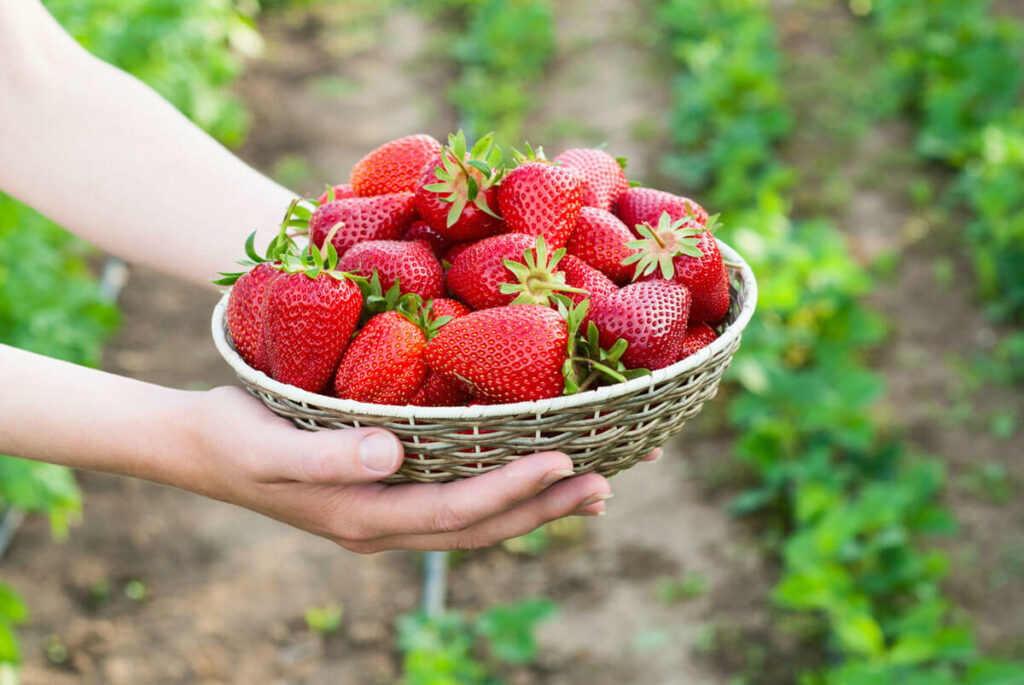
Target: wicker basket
(605, 430)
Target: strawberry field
(847, 511)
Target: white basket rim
(538, 407)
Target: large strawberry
(685, 252)
(419, 230)
(507, 268)
(394, 167)
(310, 314)
(600, 239)
(457, 192)
(581, 275)
(646, 205)
(540, 199)
(411, 264)
(698, 336)
(603, 176)
(650, 316)
(384, 217)
(384, 363)
(341, 191)
(504, 354)
(245, 314)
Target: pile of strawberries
(439, 277)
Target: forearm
(61, 413)
(103, 155)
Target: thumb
(339, 457)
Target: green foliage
(959, 70)
(324, 620)
(501, 50)
(849, 507)
(443, 650)
(186, 50)
(727, 99)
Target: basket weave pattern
(605, 430)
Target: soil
(226, 589)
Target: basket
(604, 430)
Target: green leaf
(509, 628)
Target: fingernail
(554, 476)
(379, 452)
(657, 454)
(589, 513)
(594, 499)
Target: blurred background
(847, 511)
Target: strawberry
(579, 274)
(447, 307)
(503, 354)
(650, 316)
(341, 191)
(438, 391)
(698, 336)
(646, 205)
(394, 167)
(600, 240)
(412, 265)
(454, 251)
(540, 199)
(685, 252)
(245, 316)
(384, 363)
(603, 177)
(385, 217)
(506, 269)
(310, 314)
(419, 230)
(457, 193)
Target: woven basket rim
(537, 407)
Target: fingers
(585, 493)
(654, 456)
(338, 457)
(451, 507)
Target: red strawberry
(506, 269)
(646, 205)
(394, 167)
(385, 217)
(651, 318)
(600, 239)
(438, 391)
(540, 199)
(581, 275)
(419, 230)
(245, 315)
(307, 324)
(413, 265)
(384, 364)
(455, 250)
(342, 191)
(698, 336)
(447, 307)
(685, 252)
(504, 354)
(603, 176)
(457, 194)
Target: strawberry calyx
(537, 275)
(659, 245)
(281, 246)
(465, 180)
(532, 155)
(421, 313)
(587, 363)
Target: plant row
(959, 71)
(849, 506)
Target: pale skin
(104, 156)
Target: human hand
(325, 482)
